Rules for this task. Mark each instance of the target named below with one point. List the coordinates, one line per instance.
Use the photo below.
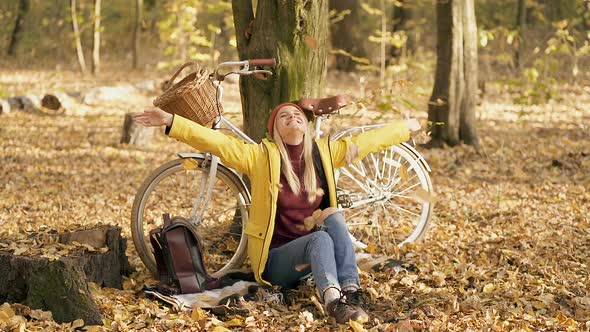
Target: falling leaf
(301, 267)
(310, 41)
(403, 172)
(423, 196)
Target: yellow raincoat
(262, 163)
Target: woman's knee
(321, 240)
(336, 220)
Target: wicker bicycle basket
(194, 97)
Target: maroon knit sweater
(291, 208)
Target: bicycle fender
(417, 155)
(187, 155)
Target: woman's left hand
(325, 214)
(413, 124)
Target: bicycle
(216, 199)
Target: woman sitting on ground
(292, 176)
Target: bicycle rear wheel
(174, 188)
(387, 197)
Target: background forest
(509, 242)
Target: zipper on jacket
(333, 175)
(270, 216)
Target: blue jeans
(329, 252)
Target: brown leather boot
(359, 298)
(343, 311)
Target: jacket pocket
(256, 230)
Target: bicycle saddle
(323, 105)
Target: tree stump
(136, 134)
(4, 106)
(58, 283)
(50, 104)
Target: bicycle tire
(370, 230)
(225, 247)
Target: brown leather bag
(178, 251)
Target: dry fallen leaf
(356, 326)
(198, 314)
(6, 312)
(77, 323)
(234, 322)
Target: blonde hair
(310, 183)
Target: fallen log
(51, 271)
(48, 104)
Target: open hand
(153, 117)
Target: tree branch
(243, 15)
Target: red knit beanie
(273, 115)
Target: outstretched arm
(233, 152)
(348, 149)
(152, 117)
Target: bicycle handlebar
(263, 62)
(244, 66)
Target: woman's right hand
(153, 117)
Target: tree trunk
(295, 33)
(520, 27)
(96, 40)
(346, 35)
(137, 32)
(23, 8)
(60, 284)
(402, 15)
(586, 18)
(451, 109)
(77, 41)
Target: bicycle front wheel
(388, 197)
(176, 188)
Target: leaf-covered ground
(508, 249)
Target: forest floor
(508, 249)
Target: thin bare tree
(96, 39)
(137, 32)
(77, 41)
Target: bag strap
(182, 260)
(167, 220)
(155, 239)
